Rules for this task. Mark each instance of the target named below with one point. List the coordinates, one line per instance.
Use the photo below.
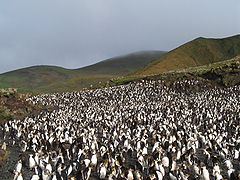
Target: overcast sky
(76, 33)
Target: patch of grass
(3, 156)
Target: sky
(76, 33)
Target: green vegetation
(223, 73)
(8, 92)
(3, 156)
(48, 79)
(200, 51)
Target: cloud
(75, 33)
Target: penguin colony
(143, 130)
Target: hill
(200, 51)
(224, 73)
(123, 64)
(41, 79)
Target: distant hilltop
(45, 79)
(200, 51)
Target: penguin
(172, 176)
(18, 167)
(87, 172)
(130, 174)
(165, 161)
(87, 162)
(35, 177)
(229, 164)
(94, 160)
(23, 146)
(54, 176)
(18, 176)
(138, 175)
(38, 171)
(218, 176)
(32, 162)
(159, 175)
(103, 171)
(49, 167)
(4, 146)
(184, 176)
(36, 158)
(216, 169)
(205, 173)
(69, 170)
(46, 175)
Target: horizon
(81, 33)
(55, 65)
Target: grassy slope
(198, 52)
(34, 77)
(223, 73)
(123, 64)
(40, 79)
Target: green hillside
(41, 79)
(123, 64)
(198, 52)
(223, 73)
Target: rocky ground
(13, 106)
(9, 164)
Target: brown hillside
(200, 51)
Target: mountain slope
(32, 77)
(123, 64)
(38, 79)
(223, 73)
(198, 52)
